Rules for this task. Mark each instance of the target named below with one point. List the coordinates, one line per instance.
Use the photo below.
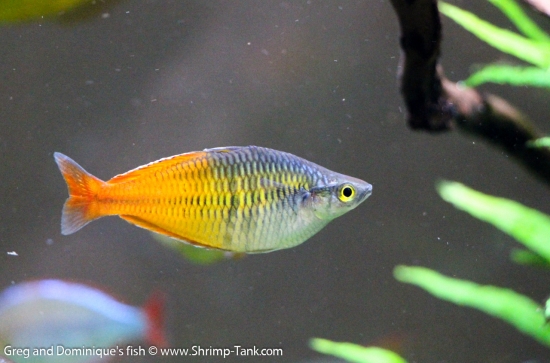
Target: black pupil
(347, 192)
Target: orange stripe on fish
(242, 199)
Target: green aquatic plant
(542, 142)
(528, 226)
(62, 11)
(193, 254)
(528, 258)
(512, 75)
(355, 353)
(518, 310)
(532, 47)
(24, 10)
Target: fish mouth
(366, 192)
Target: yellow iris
(346, 193)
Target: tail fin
(154, 313)
(81, 207)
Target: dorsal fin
(155, 166)
(225, 149)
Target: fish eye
(346, 192)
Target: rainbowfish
(62, 314)
(240, 199)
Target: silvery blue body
(55, 315)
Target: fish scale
(242, 199)
(239, 225)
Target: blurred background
(138, 80)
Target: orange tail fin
(81, 207)
(154, 312)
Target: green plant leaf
(515, 13)
(528, 258)
(355, 353)
(516, 309)
(547, 309)
(527, 225)
(532, 51)
(542, 142)
(195, 255)
(517, 76)
(23, 10)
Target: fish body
(241, 199)
(46, 313)
(197, 256)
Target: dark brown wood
(435, 103)
(420, 83)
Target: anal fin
(152, 227)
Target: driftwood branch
(436, 104)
